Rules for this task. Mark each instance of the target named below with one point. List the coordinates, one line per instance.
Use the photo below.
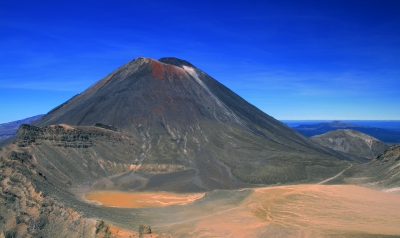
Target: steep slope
(180, 116)
(383, 171)
(26, 211)
(353, 143)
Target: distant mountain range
(10, 128)
(390, 136)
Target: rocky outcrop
(63, 135)
(26, 211)
(9, 129)
(143, 230)
(108, 127)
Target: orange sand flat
(302, 211)
(142, 200)
(321, 209)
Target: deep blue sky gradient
(292, 59)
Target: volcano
(191, 132)
(157, 132)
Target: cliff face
(75, 155)
(9, 129)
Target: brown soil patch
(142, 200)
(158, 70)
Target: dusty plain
(281, 211)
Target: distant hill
(10, 128)
(385, 135)
(352, 143)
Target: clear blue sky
(320, 59)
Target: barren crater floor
(283, 211)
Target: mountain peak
(175, 61)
